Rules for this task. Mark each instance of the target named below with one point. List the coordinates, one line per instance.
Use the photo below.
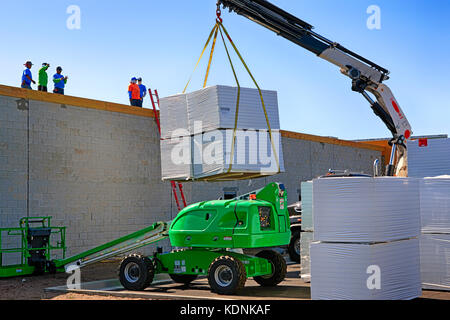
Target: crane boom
(367, 76)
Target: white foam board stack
(173, 116)
(435, 205)
(435, 261)
(215, 108)
(307, 205)
(176, 158)
(365, 238)
(348, 271)
(307, 234)
(252, 154)
(364, 209)
(306, 237)
(204, 121)
(435, 238)
(208, 155)
(428, 157)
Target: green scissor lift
(39, 240)
(35, 247)
(211, 234)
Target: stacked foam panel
(435, 205)
(252, 153)
(435, 237)
(214, 108)
(349, 271)
(208, 156)
(365, 238)
(307, 205)
(361, 209)
(435, 261)
(197, 135)
(428, 157)
(307, 234)
(306, 238)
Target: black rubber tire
(51, 267)
(239, 275)
(39, 268)
(293, 255)
(183, 278)
(279, 269)
(145, 269)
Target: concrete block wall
(99, 173)
(94, 171)
(13, 169)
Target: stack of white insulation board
(365, 238)
(214, 108)
(208, 155)
(198, 141)
(380, 271)
(428, 157)
(435, 261)
(306, 191)
(435, 237)
(306, 237)
(307, 234)
(362, 209)
(435, 205)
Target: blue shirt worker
(60, 81)
(134, 93)
(143, 90)
(27, 78)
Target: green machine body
(262, 220)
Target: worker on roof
(27, 78)
(43, 77)
(143, 91)
(60, 81)
(134, 93)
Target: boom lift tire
(279, 269)
(226, 275)
(183, 278)
(294, 246)
(136, 272)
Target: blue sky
(161, 40)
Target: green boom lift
(209, 232)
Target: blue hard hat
(133, 79)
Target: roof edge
(125, 109)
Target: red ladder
(154, 96)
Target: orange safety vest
(135, 91)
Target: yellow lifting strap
(218, 27)
(201, 55)
(210, 57)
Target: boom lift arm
(367, 76)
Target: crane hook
(218, 13)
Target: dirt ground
(32, 287)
